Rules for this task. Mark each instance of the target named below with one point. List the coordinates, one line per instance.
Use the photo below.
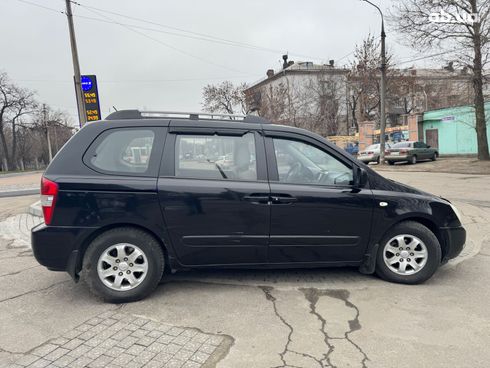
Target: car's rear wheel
(391, 162)
(409, 253)
(123, 265)
(434, 156)
(413, 160)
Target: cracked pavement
(279, 318)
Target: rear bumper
(57, 247)
(368, 158)
(455, 239)
(397, 158)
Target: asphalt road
(19, 184)
(19, 193)
(294, 318)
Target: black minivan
(143, 193)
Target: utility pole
(76, 65)
(45, 123)
(382, 123)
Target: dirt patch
(456, 165)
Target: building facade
(331, 100)
(305, 95)
(452, 130)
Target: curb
(35, 209)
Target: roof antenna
(114, 107)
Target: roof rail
(138, 114)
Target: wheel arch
(369, 263)
(89, 239)
(431, 225)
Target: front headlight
(456, 211)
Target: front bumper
(57, 247)
(454, 238)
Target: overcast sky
(142, 68)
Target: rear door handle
(257, 198)
(283, 199)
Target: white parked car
(371, 153)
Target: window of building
(216, 157)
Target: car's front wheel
(413, 160)
(409, 253)
(123, 265)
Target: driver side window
(302, 163)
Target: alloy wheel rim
(405, 254)
(122, 267)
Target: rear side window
(122, 151)
(216, 157)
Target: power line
(41, 6)
(102, 81)
(257, 48)
(109, 20)
(429, 56)
(163, 43)
(192, 34)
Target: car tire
(412, 269)
(434, 156)
(123, 265)
(390, 162)
(413, 160)
(377, 161)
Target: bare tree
(225, 98)
(364, 99)
(452, 25)
(24, 127)
(327, 96)
(310, 102)
(15, 102)
(273, 101)
(54, 123)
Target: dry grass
(456, 165)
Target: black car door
(214, 195)
(317, 216)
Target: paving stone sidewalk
(115, 339)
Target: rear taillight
(49, 192)
(403, 151)
(370, 153)
(387, 152)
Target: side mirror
(361, 177)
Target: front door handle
(283, 199)
(257, 198)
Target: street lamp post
(382, 123)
